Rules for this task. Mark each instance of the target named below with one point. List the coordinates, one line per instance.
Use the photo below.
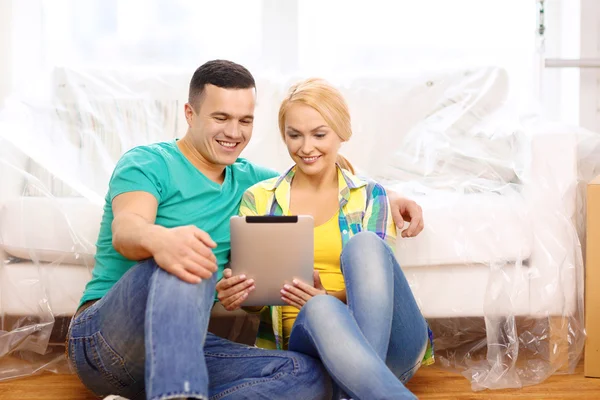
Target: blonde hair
(328, 101)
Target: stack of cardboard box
(592, 281)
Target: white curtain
(306, 37)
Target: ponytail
(344, 163)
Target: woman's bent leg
(325, 329)
(383, 304)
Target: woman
(360, 318)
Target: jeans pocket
(98, 365)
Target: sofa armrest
(550, 190)
(551, 178)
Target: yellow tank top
(328, 248)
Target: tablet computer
(272, 250)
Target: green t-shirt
(185, 197)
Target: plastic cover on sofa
(498, 270)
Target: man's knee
(165, 281)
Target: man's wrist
(151, 236)
(392, 195)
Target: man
(141, 328)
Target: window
(381, 36)
(150, 33)
(301, 37)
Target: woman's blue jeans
(373, 345)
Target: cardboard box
(592, 281)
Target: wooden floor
(429, 383)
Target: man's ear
(189, 113)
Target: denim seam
(178, 395)
(296, 366)
(74, 362)
(67, 341)
(72, 359)
(100, 365)
(86, 315)
(154, 282)
(409, 372)
(148, 332)
(294, 372)
(225, 355)
(348, 297)
(269, 355)
(115, 356)
(248, 384)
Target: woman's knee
(366, 256)
(366, 239)
(321, 308)
(366, 245)
(322, 302)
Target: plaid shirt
(364, 206)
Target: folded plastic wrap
(497, 271)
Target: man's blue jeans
(373, 345)
(147, 338)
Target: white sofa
(498, 195)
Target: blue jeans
(373, 345)
(147, 338)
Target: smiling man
(141, 328)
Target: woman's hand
(299, 293)
(233, 290)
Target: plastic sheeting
(498, 270)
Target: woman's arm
(378, 215)
(248, 206)
(341, 295)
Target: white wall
(571, 95)
(5, 49)
(590, 77)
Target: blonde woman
(360, 318)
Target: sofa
(497, 271)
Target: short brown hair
(221, 73)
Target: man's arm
(133, 224)
(183, 251)
(407, 210)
